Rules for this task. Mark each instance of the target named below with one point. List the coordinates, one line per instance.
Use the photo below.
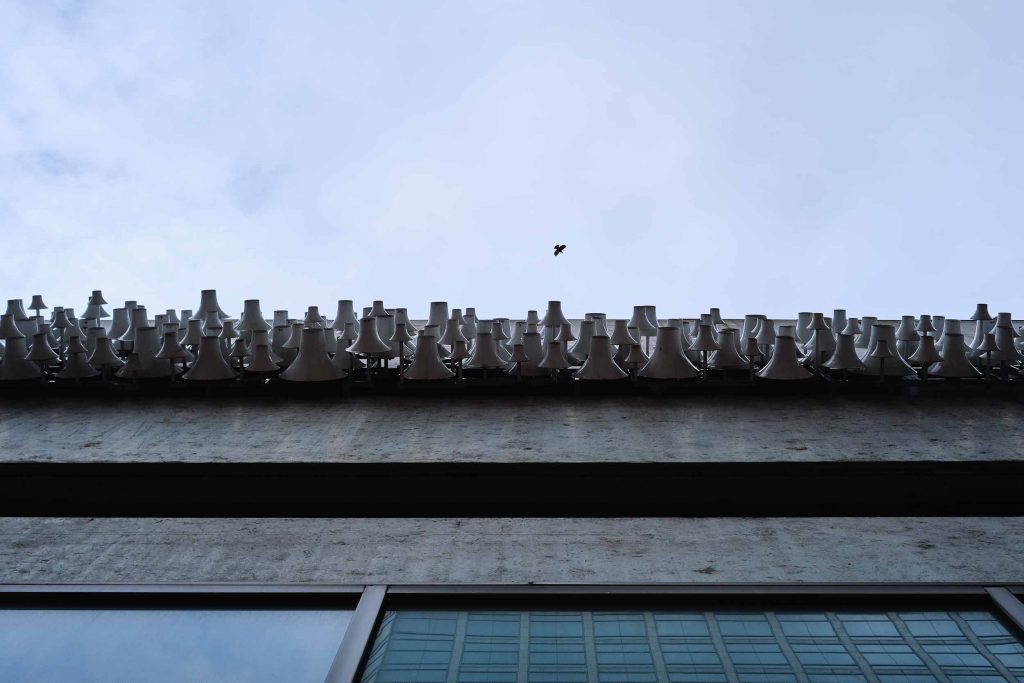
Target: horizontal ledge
(178, 588)
(826, 589)
(741, 589)
(729, 383)
(600, 489)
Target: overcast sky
(763, 157)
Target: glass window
(168, 645)
(822, 654)
(889, 655)
(744, 625)
(935, 625)
(699, 647)
(868, 625)
(809, 625)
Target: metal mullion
(660, 667)
(909, 639)
(358, 636)
(980, 646)
(458, 646)
(787, 649)
(719, 644)
(851, 647)
(1008, 605)
(589, 645)
(522, 676)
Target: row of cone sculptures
(210, 345)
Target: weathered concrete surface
(352, 551)
(722, 428)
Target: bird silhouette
(559, 248)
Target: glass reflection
(168, 645)
(693, 647)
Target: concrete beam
(509, 429)
(987, 551)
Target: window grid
(694, 647)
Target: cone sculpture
(453, 333)
(839, 321)
(312, 364)
(210, 365)
(208, 302)
(499, 336)
(534, 350)
(634, 359)
(77, 366)
(485, 355)
(427, 364)
(949, 328)
(119, 326)
(171, 351)
(344, 314)
(704, 343)
(803, 326)
(725, 358)
(892, 365)
(252, 319)
(642, 323)
(600, 366)
(369, 343)
(554, 317)
(470, 324)
(924, 325)
(821, 344)
(954, 363)
(94, 307)
(907, 336)
(565, 336)
(61, 346)
(784, 363)
(621, 334)
(144, 348)
(845, 356)
(926, 355)
(765, 336)
(103, 357)
(438, 316)
(750, 323)
(578, 352)
(1005, 340)
(41, 353)
(16, 366)
(402, 318)
(290, 348)
(668, 361)
(866, 323)
(554, 358)
(137, 317)
(261, 360)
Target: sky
(761, 157)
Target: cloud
(758, 158)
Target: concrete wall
(353, 551)
(723, 428)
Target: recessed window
(105, 645)
(693, 647)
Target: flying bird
(559, 248)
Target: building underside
(743, 539)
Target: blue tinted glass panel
(168, 645)
(696, 647)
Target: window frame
(370, 602)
